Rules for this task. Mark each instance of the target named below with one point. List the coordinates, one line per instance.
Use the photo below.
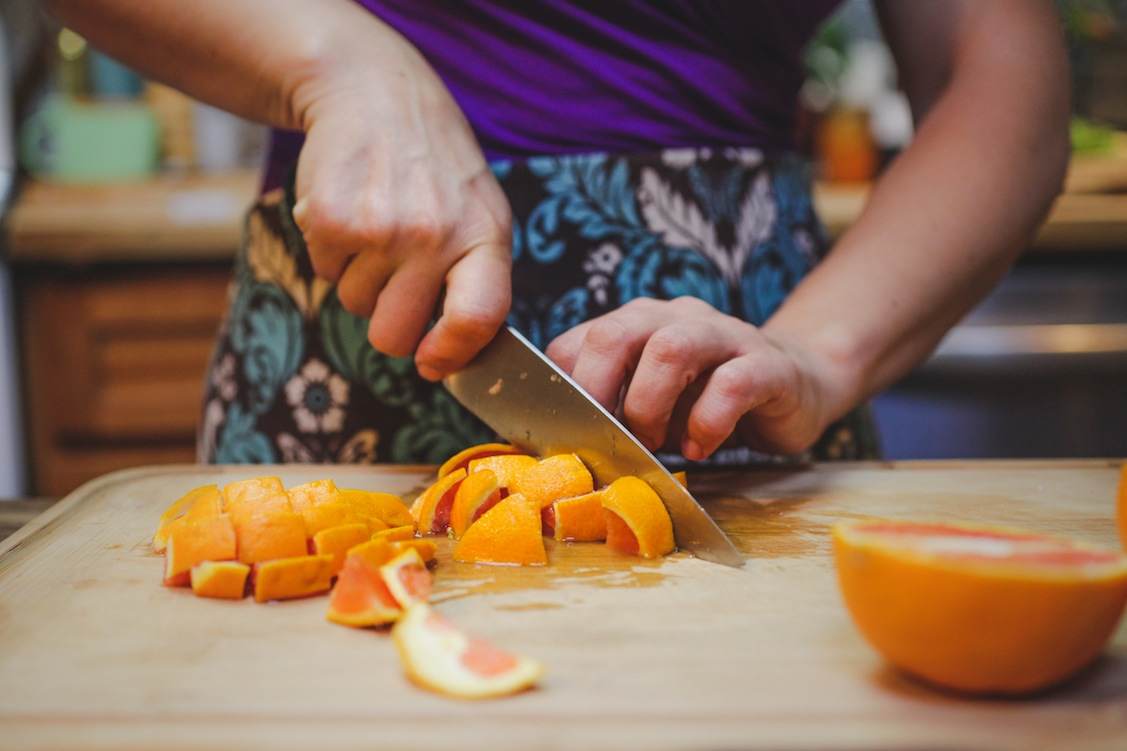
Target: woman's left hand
(681, 372)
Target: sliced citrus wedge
(337, 541)
(505, 467)
(478, 493)
(210, 539)
(431, 509)
(462, 459)
(579, 519)
(426, 549)
(395, 534)
(407, 578)
(376, 552)
(290, 578)
(226, 580)
(386, 507)
(360, 597)
(636, 519)
(509, 533)
(979, 609)
(268, 535)
(198, 503)
(439, 657)
(559, 476)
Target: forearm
(943, 224)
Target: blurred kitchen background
(122, 203)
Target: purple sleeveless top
(579, 76)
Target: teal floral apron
(293, 378)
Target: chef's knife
(523, 396)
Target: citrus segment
(406, 532)
(432, 508)
(505, 467)
(509, 533)
(268, 535)
(559, 476)
(360, 597)
(634, 507)
(195, 504)
(225, 580)
(337, 541)
(289, 578)
(407, 578)
(475, 495)
(578, 519)
(462, 459)
(376, 552)
(211, 539)
(426, 549)
(386, 507)
(439, 657)
(1005, 612)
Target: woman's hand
(682, 373)
(395, 200)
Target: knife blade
(528, 400)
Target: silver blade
(523, 396)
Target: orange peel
(197, 503)
(431, 509)
(426, 549)
(579, 519)
(478, 493)
(509, 533)
(209, 539)
(396, 534)
(553, 478)
(337, 541)
(225, 580)
(462, 459)
(407, 578)
(291, 578)
(269, 535)
(360, 598)
(369, 504)
(375, 552)
(505, 466)
(636, 519)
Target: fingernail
(692, 451)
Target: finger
(564, 349)
(361, 282)
(734, 389)
(671, 360)
(611, 347)
(403, 309)
(478, 294)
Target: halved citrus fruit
(197, 503)
(553, 478)
(1121, 505)
(478, 493)
(432, 508)
(210, 539)
(337, 541)
(579, 519)
(386, 507)
(395, 534)
(979, 609)
(225, 580)
(462, 459)
(509, 533)
(636, 519)
(407, 578)
(290, 578)
(360, 597)
(376, 552)
(426, 549)
(439, 657)
(505, 466)
(268, 535)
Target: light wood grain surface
(94, 654)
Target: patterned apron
(293, 378)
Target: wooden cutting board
(94, 654)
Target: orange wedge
(1121, 505)
(375, 552)
(979, 609)
(226, 580)
(195, 504)
(396, 534)
(636, 519)
(462, 459)
(337, 541)
(579, 519)
(324, 516)
(505, 466)
(432, 508)
(316, 493)
(509, 533)
(269, 535)
(237, 493)
(407, 578)
(211, 539)
(360, 597)
(559, 476)
(290, 578)
(385, 507)
(478, 493)
(426, 549)
(439, 657)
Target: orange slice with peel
(337, 541)
(316, 493)
(505, 466)
(269, 535)
(478, 493)
(389, 509)
(225, 580)
(324, 516)
(1121, 505)
(211, 539)
(431, 509)
(360, 598)
(407, 578)
(197, 503)
(579, 519)
(462, 459)
(290, 578)
(249, 491)
(396, 534)
(553, 478)
(376, 552)
(979, 609)
(636, 519)
(509, 533)
(426, 549)
(439, 657)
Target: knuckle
(671, 347)
(730, 382)
(605, 335)
(423, 229)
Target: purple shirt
(575, 76)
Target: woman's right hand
(396, 201)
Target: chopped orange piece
(360, 597)
(506, 467)
(578, 519)
(1121, 505)
(337, 541)
(406, 532)
(316, 493)
(211, 539)
(426, 549)
(439, 657)
(225, 580)
(976, 608)
(195, 504)
(327, 515)
(559, 476)
(682, 477)
(269, 535)
(432, 508)
(248, 491)
(386, 507)
(376, 552)
(407, 578)
(478, 493)
(637, 522)
(507, 533)
(289, 578)
(462, 459)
